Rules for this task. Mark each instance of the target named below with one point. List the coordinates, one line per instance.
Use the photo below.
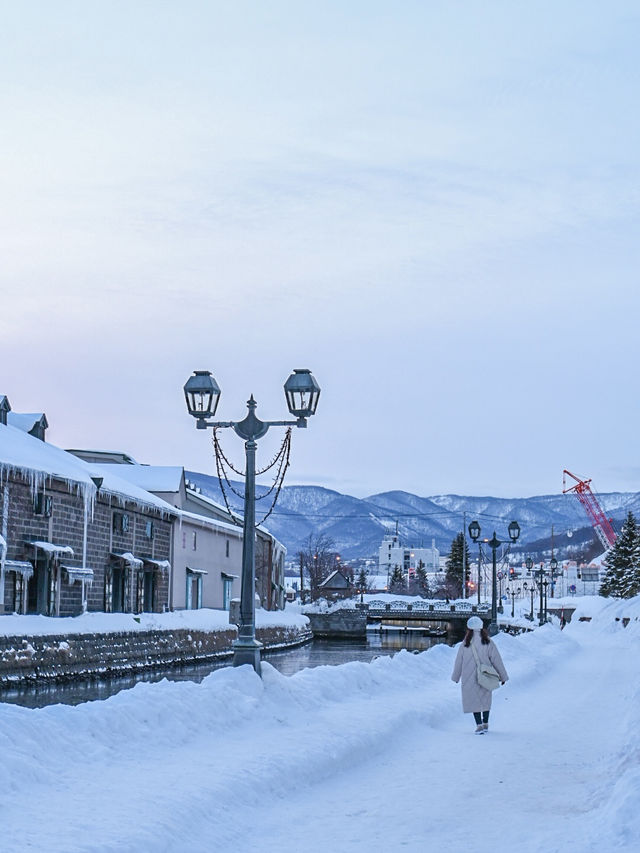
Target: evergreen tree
(397, 582)
(622, 578)
(421, 582)
(459, 548)
(363, 581)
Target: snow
(352, 758)
(204, 619)
(51, 548)
(41, 461)
(152, 478)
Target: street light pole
(202, 395)
(494, 544)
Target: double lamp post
(202, 395)
(494, 544)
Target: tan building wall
(207, 563)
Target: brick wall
(65, 526)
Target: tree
(622, 578)
(318, 558)
(397, 582)
(421, 582)
(363, 580)
(459, 548)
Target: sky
(433, 206)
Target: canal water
(315, 653)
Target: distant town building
(337, 585)
(393, 553)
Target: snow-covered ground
(358, 757)
(204, 619)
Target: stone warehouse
(73, 540)
(76, 536)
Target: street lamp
(553, 572)
(514, 593)
(202, 395)
(539, 575)
(494, 544)
(474, 533)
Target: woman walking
(476, 647)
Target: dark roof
(336, 580)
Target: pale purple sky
(434, 206)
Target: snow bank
(343, 758)
(105, 623)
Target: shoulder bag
(487, 676)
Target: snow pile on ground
(204, 619)
(357, 757)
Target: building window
(43, 504)
(227, 548)
(194, 545)
(148, 530)
(120, 522)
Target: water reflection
(334, 652)
(316, 653)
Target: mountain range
(357, 525)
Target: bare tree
(318, 558)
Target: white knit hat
(474, 623)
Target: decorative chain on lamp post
(202, 395)
(494, 544)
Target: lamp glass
(302, 393)
(474, 531)
(202, 394)
(514, 530)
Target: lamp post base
(247, 651)
(493, 629)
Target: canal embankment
(38, 649)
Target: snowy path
(358, 757)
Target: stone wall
(59, 658)
(65, 526)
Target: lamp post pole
(533, 589)
(494, 544)
(513, 602)
(202, 395)
(539, 575)
(553, 572)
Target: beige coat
(475, 697)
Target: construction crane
(599, 521)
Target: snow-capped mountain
(357, 525)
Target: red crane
(599, 521)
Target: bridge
(353, 622)
(454, 614)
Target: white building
(393, 553)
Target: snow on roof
(153, 478)
(24, 421)
(209, 521)
(52, 548)
(129, 558)
(41, 461)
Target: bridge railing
(422, 607)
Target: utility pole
(464, 554)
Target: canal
(315, 653)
